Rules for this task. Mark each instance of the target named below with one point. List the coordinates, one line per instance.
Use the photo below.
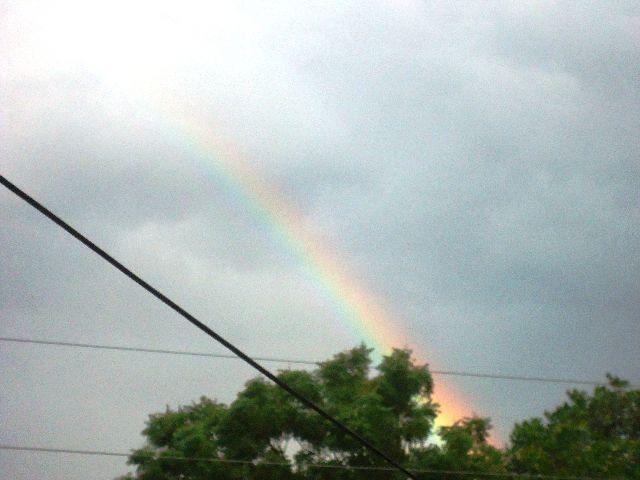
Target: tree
(265, 425)
(267, 434)
(589, 435)
(463, 447)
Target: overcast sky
(474, 165)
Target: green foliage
(590, 435)
(270, 436)
(464, 447)
(189, 432)
(265, 425)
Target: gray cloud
(475, 167)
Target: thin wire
(571, 381)
(282, 464)
(151, 350)
(197, 323)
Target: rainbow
(362, 312)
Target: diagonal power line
(524, 378)
(198, 324)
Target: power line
(570, 381)
(151, 350)
(106, 453)
(197, 323)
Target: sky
(470, 167)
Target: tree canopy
(267, 434)
(589, 435)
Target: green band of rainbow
(359, 309)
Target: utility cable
(197, 323)
(258, 463)
(524, 378)
(151, 350)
